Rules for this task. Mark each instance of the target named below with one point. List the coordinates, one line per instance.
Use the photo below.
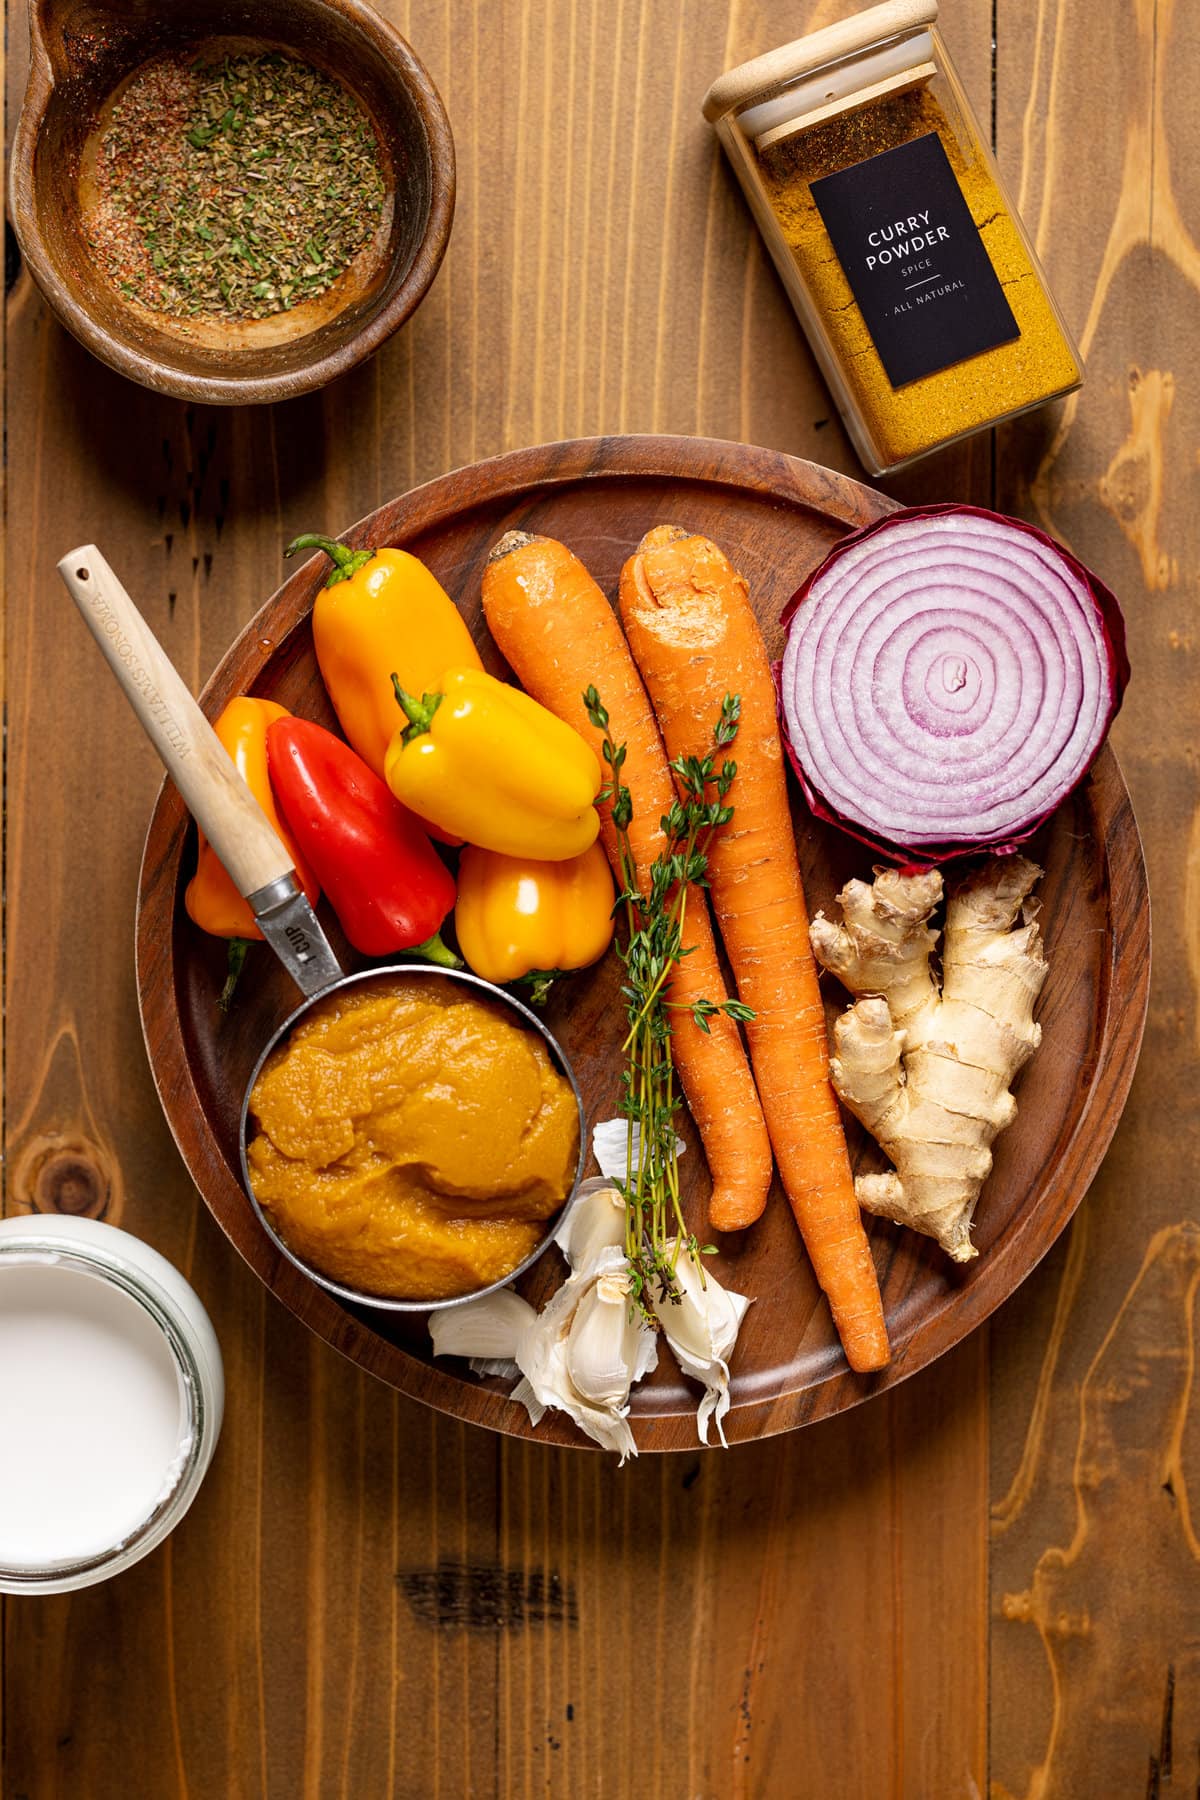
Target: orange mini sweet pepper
(212, 901)
(379, 611)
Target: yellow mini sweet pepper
(381, 610)
(516, 917)
(482, 761)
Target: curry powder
(905, 422)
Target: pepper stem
(433, 950)
(235, 962)
(346, 562)
(540, 982)
(419, 713)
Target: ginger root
(928, 1072)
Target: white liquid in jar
(93, 1431)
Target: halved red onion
(949, 678)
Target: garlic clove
(710, 1317)
(490, 1327)
(550, 1385)
(645, 1352)
(583, 1351)
(611, 1147)
(595, 1222)
(702, 1329)
(616, 1147)
(603, 1341)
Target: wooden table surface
(985, 1582)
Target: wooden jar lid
(750, 80)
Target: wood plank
(1095, 1583)
(369, 1599)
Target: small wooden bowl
(84, 51)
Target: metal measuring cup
(261, 869)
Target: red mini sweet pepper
(385, 881)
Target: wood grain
(1095, 1568)
(369, 1598)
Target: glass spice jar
(884, 212)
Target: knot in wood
(69, 1176)
(1018, 1607)
(69, 1184)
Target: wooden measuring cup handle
(213, 791)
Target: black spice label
(914, 259)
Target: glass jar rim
(138, 1285)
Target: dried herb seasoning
(234, 189)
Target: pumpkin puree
(410, 1139)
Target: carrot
(559, 633)
(693, 634)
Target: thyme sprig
(655, 1229)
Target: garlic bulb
(594, 1223)
(702, 1328)
(586, 1350)
(583, 1353)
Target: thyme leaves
(654, 917)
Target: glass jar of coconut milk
(111, 1398)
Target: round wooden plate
(776, 517)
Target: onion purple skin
(1113, 632)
